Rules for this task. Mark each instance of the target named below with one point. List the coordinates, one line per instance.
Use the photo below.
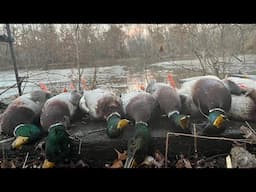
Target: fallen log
(94, 147)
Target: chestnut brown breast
(107, 105)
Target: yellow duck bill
(219, 121)
(122, 123)
(48, 164)
(19, 141)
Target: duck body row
(198, 96)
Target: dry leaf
(159, 157)
(187, 163)
(7, 164)
(241, 158)
(183, 162)
(248, 134)
(180, 164)
(149, 161)
(121, 156)
(118, 163)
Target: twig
(166, 150)
(80, 145)
(210, 158)
(212, 138)
(182, 66)
(24, 164)
(7, 140)
(97, 130)
(253, 131)
(195, 140)
(199, 107)
(3, 153)
(94, 78)
(14, 85)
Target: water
(119, 77)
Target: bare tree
(77, 56)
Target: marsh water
(120, 77)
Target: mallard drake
(210, 96)
(58, 146)
(170, 103)
(25, 109)
(25, 133)
(243, 83)
(243, 106)
(243, 94)
(141, 107)
(103, 104)
(60, 109)
(230, 82)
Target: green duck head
(58, 145)
(25, 133)
(180, 121)
(216, 118)
(138, 145)
(115, 125)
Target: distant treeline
(45, 46)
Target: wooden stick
(195, 140)
(212, 157)
(7, 140)
(80, 145)
(13, 58)
(253, 131)
(213, 138)
(166, 150)
(14, 85)
(3, 153)
(97, 130)
(228, 162)
(24, 164)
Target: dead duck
(242, 90)
(141, 107)
(208, 95)
(243, 106)
(169, 101)
(58, 146)
(231, 83)
(60, 109)
(185, 92)
(243, 93)
(103, 104)
(23, 113)
(243, 83)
